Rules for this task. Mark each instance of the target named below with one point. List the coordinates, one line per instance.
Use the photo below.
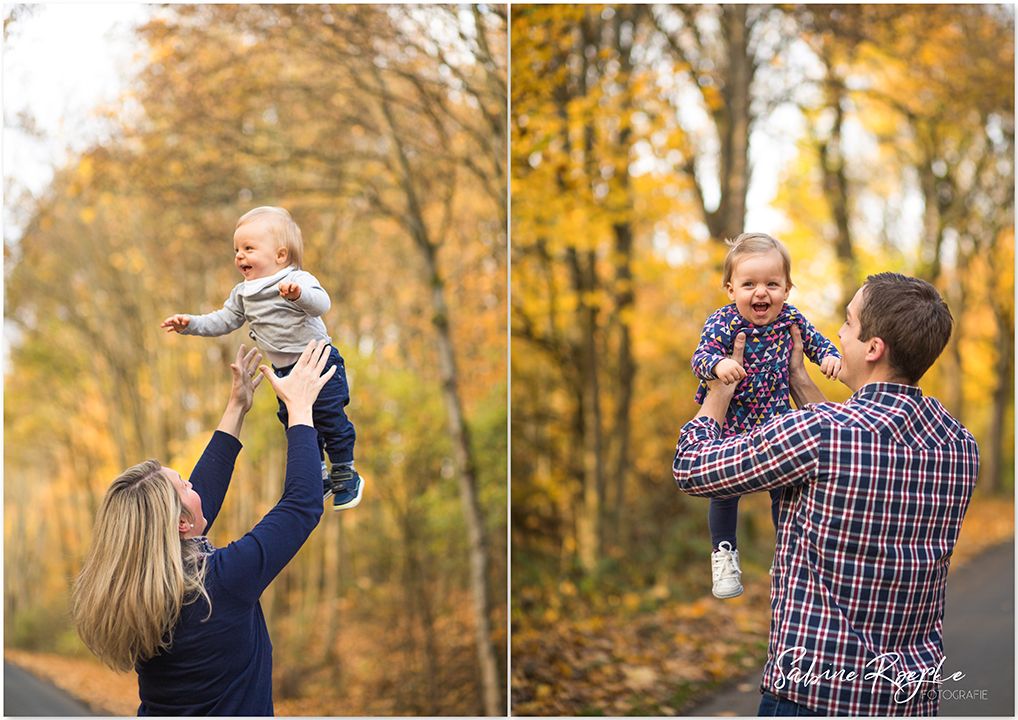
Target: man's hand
(715, 405)
(803, 389)
(176, 323)
(289, 290)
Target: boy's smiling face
(759, 287)
(256, 253)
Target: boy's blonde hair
(755, 244)
(282, 228)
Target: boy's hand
(830, 366)
(729, 371)
(289, 290)
(176, 323)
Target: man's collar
(874, 388)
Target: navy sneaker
(347, 486)
(326, 481)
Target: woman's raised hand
(300, 388)
(245, 378)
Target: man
(875, 490)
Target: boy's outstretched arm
(304, 290)
(176, 323)
(289, 290)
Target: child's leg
(337, 430)
(726, 575)
(284, 417)
(722, 518)
(330, 416)
(776, 505)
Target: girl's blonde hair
(282, 227)
(755, 244)
(138, 573)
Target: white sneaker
(725, 571)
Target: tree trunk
(589, 527)
(413, 220)
(832, 164)
(624, 297)
(735, 142)
(467, 478)
(993, 458)
(626, 372)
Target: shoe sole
(353, 503)
(727, 596)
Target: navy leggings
(723, 517)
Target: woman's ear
(185, 526)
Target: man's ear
(875, 349)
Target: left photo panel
(256, 359)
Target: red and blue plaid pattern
(875, 491)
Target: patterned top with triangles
(763, 395)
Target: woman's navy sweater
(223, 665)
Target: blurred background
(868, 138)
(134, 137)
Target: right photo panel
(762, 360)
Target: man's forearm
(803, 390)
(715, 405)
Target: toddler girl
(757, 277)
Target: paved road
(978, 641)
(26, 695)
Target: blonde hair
(138, 574)
(755, 244)
(282, 228)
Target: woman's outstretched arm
(213, 471)
(246, 379)
(248, 565)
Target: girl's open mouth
(761, 308)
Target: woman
(154, 594)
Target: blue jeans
(773, 706)
(331, 422)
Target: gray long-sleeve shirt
(282, 328)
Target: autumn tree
(926, 82)
(578, 116)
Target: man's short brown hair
(911, 318)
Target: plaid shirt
(875, 490)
